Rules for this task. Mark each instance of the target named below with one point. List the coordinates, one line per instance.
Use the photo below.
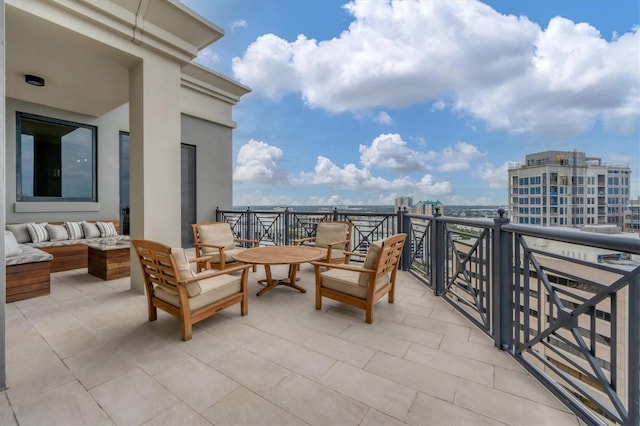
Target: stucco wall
(214, 168)
(107, 207)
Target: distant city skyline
(357, 103)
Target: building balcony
(513, 333)
(86, 354)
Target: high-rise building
(402, 202)
(632, 216)
(567, 188)
(427, 207)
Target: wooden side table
(109, 261)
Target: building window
(56, 160)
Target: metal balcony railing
(574, 324)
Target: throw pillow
(20, 231)
(184, 267)
(107, 229)
(75, 230)
(218, 234)
(57, 232)
(11, 247)
(38, 232)
(90, 230)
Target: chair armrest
(343, 266)
(242, 240)
(299, 241)
(214, 273)
(338, 243)
(205, 259)
(219, 247)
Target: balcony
(86, 354)
(486, 327)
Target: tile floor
(86, 354)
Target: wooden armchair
(172, 286)
(216, 240)
(335, 237)
(362, 286)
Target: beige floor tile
(427, 301)
(452, 364)
(73, 341)
(285, 329)
(479, 352)
(249, 338)
(6, 413)
(411, 334)
(437, 326)
(250, 370)
(206, 347)
(341, 349)
(524, 385)
(318, 321)
(416, 376)
(197, 384)
(376, 418)
(69, 404)
(377, 392)
(429, 410)
(244, 408)
(413, 309)
(133, 398)
(299, 359)
(54, 324)
(36, 375)
(509, 408)
(23, 343)
(378, 341)
(179, 415)
(316, 404)
(451, 317)
(155, 356)
(99, 364)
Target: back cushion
(184, 268)
(107, 229)
(375, 249)
(38, 232)
(57, 232)
(20, 231)
(216, 233)
(11, 247)
(328, 233)
(75, 230)
(90, 230)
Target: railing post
(217, 217)
(404, 226)
(335, 214)
(248, 227)
(438, 255)
(634, 351)
(287, 238)
(501, 283)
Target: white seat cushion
(218, 234)
(214, 290)
(228, 254)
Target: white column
(154, 89)
(3, 276)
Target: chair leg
(318, 299)
(187, 330)
(153, 312)
(369, 311)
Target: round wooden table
(280, 255)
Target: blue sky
(360, 102)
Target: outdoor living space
(87, 354)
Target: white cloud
(207, 58)
(384, 118)
(495, 176)
(351, 178)
(333, 200)
(259, 162)
(457, 157)
(260, 198)
(503, 70)
(389, 151)
(240, 23)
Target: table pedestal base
(273, 283)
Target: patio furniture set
(222, 271)
(34, 250)
(221, 265)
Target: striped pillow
(75, 230)
(107, 229)
(38, 232)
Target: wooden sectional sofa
(28, 274)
